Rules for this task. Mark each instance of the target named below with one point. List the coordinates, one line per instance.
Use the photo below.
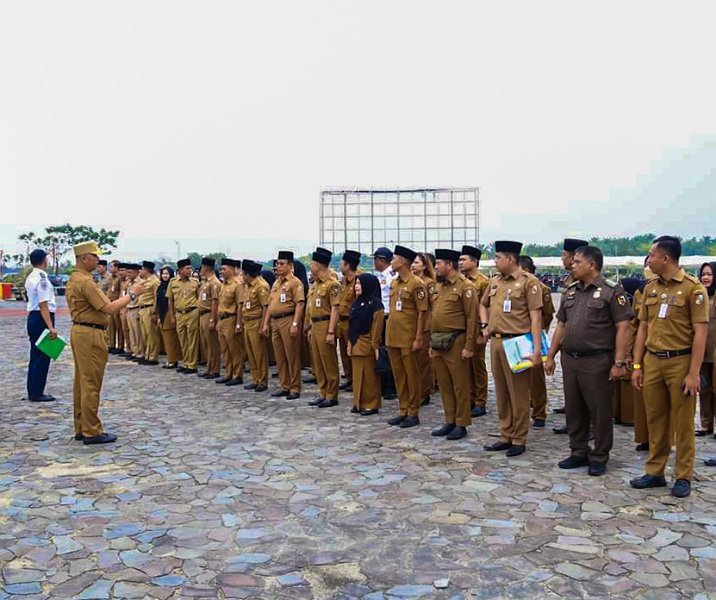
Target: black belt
(133, 307)
(92, 325)
(343, 317)
(670, 353)
(505, 336)
(146, 306)
(252, 318)
(282, 315)
(317, 319)
(203, 311)
(226, 316)
(188, 310)
(585, 353)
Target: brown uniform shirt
(368, 343)
(634, 325)
(105, 282)
(183, 293)
(671, 310)
(522, 291)
(285, 294)
(590, 314)
(115, 288)
(348, 293)
(231, 296)
(455, 308)
(309, 302)
(326, 295)
(85, 300)
(568, 281)
(209, 290)
(146, 298)
(407, 298)
(547, 306)
(257, 296)
(431, 287)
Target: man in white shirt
(41, 308)
(385, 274)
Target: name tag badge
(203, 296)
(507, 306)
(318, 303)
(282, 297)
(248, 305)
(399, 305)
(662, 311)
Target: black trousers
(588, 404)
(39, 361)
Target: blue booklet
(518, 348)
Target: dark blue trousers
(39, 361)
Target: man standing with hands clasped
(593, 320)
(671, 341)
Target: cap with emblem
(322, 256)
(571, 244)
(184, 262)
(87, 248)
(508, 246)
(352, 258)
(475, 253)
(207, 261)
(405, 253)
(383, 252)
(446, 254)
(285, 255)
(148, 265)
(37, 256)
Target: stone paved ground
(220, 493)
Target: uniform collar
(38, 270)
(388, 271)
(598, 282)
(678, 276)
(407, 277)
(323, 277)
(453, 277)
(514, 275)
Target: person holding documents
(511, 307)
(41, 307)
(89, 310)
(592, 334)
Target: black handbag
(382, 365)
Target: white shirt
(39, 289)
(386, 278)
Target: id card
(662, 311)
(318, 303)
(399, 305)
(282, 297)
(203, 296)
(507, 306)
(248, 305)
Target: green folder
(53, 348)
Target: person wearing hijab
(423, 268)
(365, 328)
(707, 398)
(165, 319)
(299, 270)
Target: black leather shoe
(538, 423)
(309, 379)
(704, 432)
(43, 398)
(201, 364)
(369, 412)
(79, 437)
(212, 376)
(233, 382)
(315, 401)
(559, 430)
(190, 371)
(354, 410)
(390, 397)
(710, 462)
(328, 404)
(643, 447)
(559, 411)
(169, 366)
(150, 363)
(478, 411)
(261, 388)
(279, 393)
(130, 357)
(181, 369)
(291, 396)
(648, 481)
(409, 422)
(681, 489)
(516, 450)
(105, 438)
(457, 434)
(573, 462)
(137, 359)
(347, 386)
(597, 468)
(498, 446)
(444, 430)
(425, 401)
(397, 420)
(250, 386)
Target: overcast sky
(219, 122)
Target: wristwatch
(483, 326)
(636, 367)
(132, 296)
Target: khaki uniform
(347, 298)
(209, 291)
(89, 350)
(538, 385)
(408, 298)
(590, 314)
(326, 295)
(707, 398)
(624, 398)
(455, 310)
(425, 363)
(184, 294)
(512, 390)
(477, 364)
(366, 382)
(123, 287)
(231, 296)
(150, 330)
(136, 340)
(114, 331)
(682, 303)
(255, 301)
(286, 294)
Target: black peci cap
(571, 244)
(148, 264)
(352, 257)
(285, 255)
(447, 254)
(228, 262)
(133, 266)
(184, 262)
(508, 246)
(251, 267)
(404, 252)
(102, 262)
(472, 251)
(207, 261)
(322, 256)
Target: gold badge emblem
(699, 299)
(621, 300)
(468, 293)
(421, 294)
(335, 291)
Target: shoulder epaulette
(571, 285)
(610, 283)
(691, 278)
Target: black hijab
(631, 285)
(162, 302)
(712, 288)
(360, 319)
(269, 277)
(299, 270)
